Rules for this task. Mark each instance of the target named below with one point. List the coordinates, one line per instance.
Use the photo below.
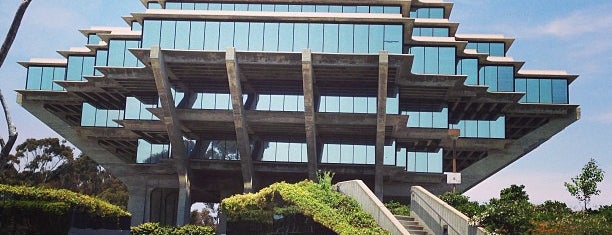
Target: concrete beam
(173, 126)
(240, 123)
(310, 113)
(381, 119)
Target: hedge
(77, 201)
(156, 229)
(336, 211)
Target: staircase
(413, 226)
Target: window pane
(291, 103)
(196, 37)
(360, 105)
(346, 104)
(168, 29)
(505, 75)
(377, 33)
(418, 65)
(447, 60)
(330, 41)
(300, 35)
(545, 91)
(440, 32)
(116, 53)
(491, 77)
(520, 85)
(496, 49)
(432, 60)
(75, 68)
(226, 36)
(361, 38)
(88, 117)
(256, 36)
(270, 42)
(277, 102)
(88, 66)
(559, 91)
(346, 154)
(183, 29)
(393, 38)
(241, 36)
(436, 13)
(59, 75)
(498, 129)
(533, 91)
(285, 37)
(47, 79)
(212, 36)
(34, 78)
(346, 37)
(483, 129)
(315, 37)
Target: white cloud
(579, 23)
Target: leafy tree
(584, 185)
(511, 214)
(462, 203)
(38, 160)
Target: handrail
(372, 205)
(437, 213)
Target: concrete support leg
(381, 118)
(137, 204)
(174, 128)
(240, 124)
(310, 113)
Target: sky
(575, 36)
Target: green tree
(511, 214)
(584, 185)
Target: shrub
(462, 203)
(156, 229)
(397, 208)
(331, 209)
(573, 223)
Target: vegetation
(50, 163)
(584, 186)
(320, 201)
(156, 229)
(30, 210)
(513, 214)
(397, 208)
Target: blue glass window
(432, 13)
(94, 117)
(136, 110)
(498, 78)
(482, 128)
(491, 48)
(427, 119)
(285, 152)
(149, 153)
(41, 78)
(433, 60)
(430, 32)
(348, 154)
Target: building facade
(198, 100)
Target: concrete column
(137, 204)
(173, 126)
(310, 113)
(381, 119)
(240, 123)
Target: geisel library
(200, 100)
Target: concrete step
(404, 218)
(408, 223)
(417, 232)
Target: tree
(584, 185)
(5, 147)
(510, 214)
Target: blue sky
(575, 36)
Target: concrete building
(199, 100)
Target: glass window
(212, 35)
(315, 37)
(270, 42)
(75, 68)
(47, 79)
(285, 38)
(559, 91)
(58, 74)
(520, 85)
(468, 67)
(241, 36)
(447, 60)
(300, 36)
(151, 33)
(226, 36)
(377, 33)
(497, 49)
(345, 35)
(330, 40)
(196, 37)
(34, 78)
(505, 78)
(93, 39)
(256, 36)
(173, 5)
(393, 40)
(361, 39)
(183, 29)
(116, 53)
(154, 5)
(533, 91)
(168, 30)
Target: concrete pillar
(174, 128)
(137, 204)
(381, 119)
(240, 123)
(310, 113)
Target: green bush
(331, 209)
(156, 229)
(34, 217)
(397, 208)
(78, 201)
(462, 203)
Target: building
(199, 100)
